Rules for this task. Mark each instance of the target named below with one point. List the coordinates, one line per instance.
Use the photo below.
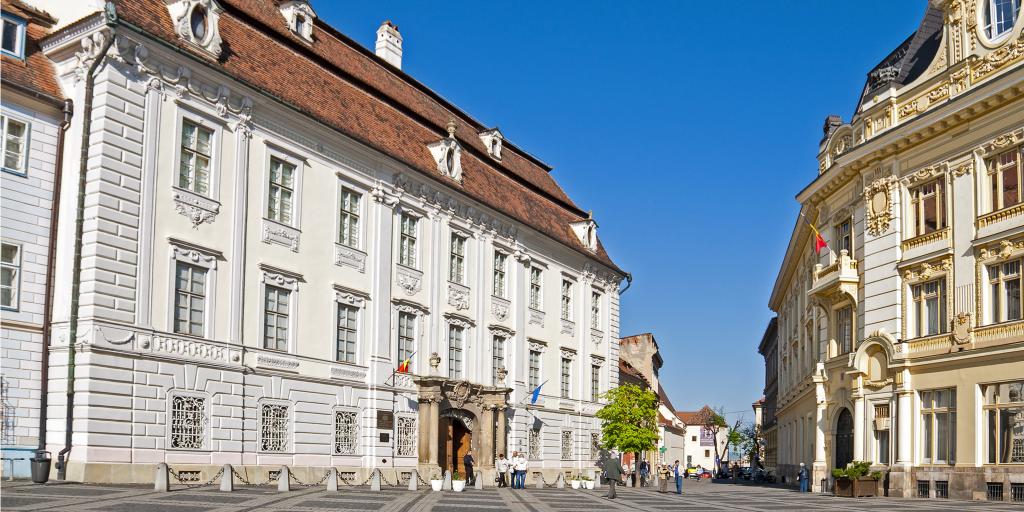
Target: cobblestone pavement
(697, 496)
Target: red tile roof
(345, 86)
(34, 74)
(693, 417)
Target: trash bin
(40, 467)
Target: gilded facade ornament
(878, 202)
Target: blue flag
(535, 395)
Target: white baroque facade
(901, 344)
(252, 275)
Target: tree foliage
(629, 420)
(713, 421)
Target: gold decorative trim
(1000, 215)
(937, 342)
(999, 58)
(918, 241)
(999, 331)
(920, 273)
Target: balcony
(840, 277)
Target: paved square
(16, 496)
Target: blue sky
(688, 127)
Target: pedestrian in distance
(467, 464)
(663, 474)
(645, 470)
(803, 477)
(502, 468)
(677, 472)
(613, 473)
(521, 466)
(632, 474)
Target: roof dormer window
(13, 36)
(586, 231)
(299, 16)
(493, 140)
(1000, 16)
(447, 152)
(196, 21)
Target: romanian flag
(819, 241)
(403, 367)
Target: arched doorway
(456, 440)
(844, 439)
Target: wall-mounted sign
(385, 420)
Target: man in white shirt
(520, 467)
(502, 468)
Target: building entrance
(844, 439)
(457, 442)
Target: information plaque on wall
(385, 420)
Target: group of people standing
(513, 468)
(614, 474)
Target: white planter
(458, 485)
(588, 485)
(436, 485)
(575, 484)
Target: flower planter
(458, 485)
(843, 487)
(575, 484)
(435, 485)
(588, 485)
(863, 487)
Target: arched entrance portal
(844, 439)
(458, 440)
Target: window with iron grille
(533, 443)
(994, 491)
(923, 489)
(348, 225)
(276, 314)
(406, 436)
(535, 287)
(567, 445)
(347, 333)
(497, 358)
(189, 299)
(455, 336)
(1017, 493)
(196, 151)
(280, 191)
(188, 422)
(346, 432)
(273, 427)
(942, 490)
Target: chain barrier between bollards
(186, 481)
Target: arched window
(1000, 16)
(198, 22)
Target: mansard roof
(35, 75)
(346, 86)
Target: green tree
(629, 420)
(713, 422)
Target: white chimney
(389, 44)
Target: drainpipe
(76, 281)
(629, 282)
(51, 255)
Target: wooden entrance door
(844, 439)
(457, 442)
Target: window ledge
(198, 208)
(1000, 215)
(20, 174)
(922, 240)
(999, 331)
(275, 232)
(345, 256)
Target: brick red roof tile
(345, 86)
(35, 73)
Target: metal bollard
(414, 480)
(539, 477)
(284, 480)
(332, 480)
(375, 480)
(162, 482)
(227, 479)
(560, 481)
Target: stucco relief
(878, 203)
(198, 209)
(409, 279)
(458, 296)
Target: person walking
(520, 469)
(663, 474)
(612, 473)
(467, 464)
(645, 470)
(677, 472)
(632, 474)
(803, 478)
(502, 468)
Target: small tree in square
(713, 422)
(630, 419)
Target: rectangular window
(595, 382)
(1004, 174)
(927, 208)
(196, 151)
(497, 358)
(566, 376)
(499, 274)
(534, 377)
(407, 241)
(406, 335)
(566, 299)
(348, 228)
(347, 316)
(276, 314)
(274, 428)
(10, 275)
(457, 260)
(938, 426)
(1004, 291)
(844, 329)
(455, 337)
(882, 442)
(595, 310)
(929, 302)
(15, 135)
(346, 432)
(188, 422)
(567, 445)
(189, 299)
(281, 191)
(1004, 422)
(535, 289)
(13, 38)
(844, 236)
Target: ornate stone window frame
(359, 430)
(181, 16)
(171, 394)
(493, 140)
(199, 256)
(982, 37)
(275, 232)
(422, 313)
(291, 11)
(344, 296)
(922, 272)
(987, 213)
(344, 255)
(997, 251)
(940, 173)
(447, 154)
(289, 429)
(196, 207)
(290, 281)
(406, 208)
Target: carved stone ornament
(196, 22)
(350, 297)
(568, 353)
(500, 308)
(492, 140)
(536, 317)
(926, 271)
(878, 203)
(460, 393)
(926, 174)
(458, 296)
(383, 195)
(961, 326)
(963, 169)
(193, 256)
(280, 234)
(434, 361)
(538, 346)
(501, 373)
(1003, 250)
(447, 154)
(345, 256)
(198, 209)
(409, 279)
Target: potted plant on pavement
(458, 483)
(575, 482)
(436, 482)
(587, 482)
(856, 480)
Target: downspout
(76, 281)
(629, 282)
(51, 255)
